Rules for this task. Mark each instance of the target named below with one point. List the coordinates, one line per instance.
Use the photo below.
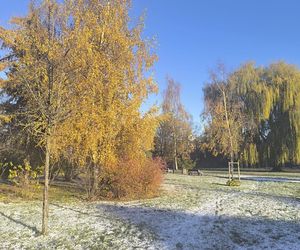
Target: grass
(12, 193)
(192, 212)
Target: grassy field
(193, 212)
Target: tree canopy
(77, 73)
(268, 99)
(173, 141)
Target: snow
(272, 179)
(193, 212)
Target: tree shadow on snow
(34, 229)
(184, 230)
(91, 214)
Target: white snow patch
(193, 213)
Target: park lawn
(193, 212)
(13, 194)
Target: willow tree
(111, 86)
(272, 103)
(173, 139)
(39, 76)
(224, 120)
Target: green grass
(11, 193)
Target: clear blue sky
(193, 35)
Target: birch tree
(111, 87)
(174, 135)
(224, 120)
(39, 75)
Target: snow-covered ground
(192, 213)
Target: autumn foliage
(77, 73)
(132, 179)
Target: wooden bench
(194, 172)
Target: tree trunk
(46, 190)
(94, 182)
(229, 134)
(175, 155)
(175, 163)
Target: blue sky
(193, 35)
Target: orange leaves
(133, 179)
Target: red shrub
(133, 179)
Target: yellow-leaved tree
(173, 141)
(79, 72)
(109, 127)
(40, 76)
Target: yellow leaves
(3, 65)
(19, 21)
(6, 37)
(110, 93)
(2, 83)
(5, 119)
(85, 78)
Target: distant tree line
(251, 115)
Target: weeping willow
(271, 101)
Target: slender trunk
(50, 70)
(229, 134)
(94, 182)
(175, 163)
(175, 154)
(46, 190)
(175, 167)
(239, 172)
(88, 180)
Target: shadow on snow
(176, 229)
(183, 230)
(17, 221)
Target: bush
(132, 179)
(4, 169)
(23, 175)
(233, 183)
